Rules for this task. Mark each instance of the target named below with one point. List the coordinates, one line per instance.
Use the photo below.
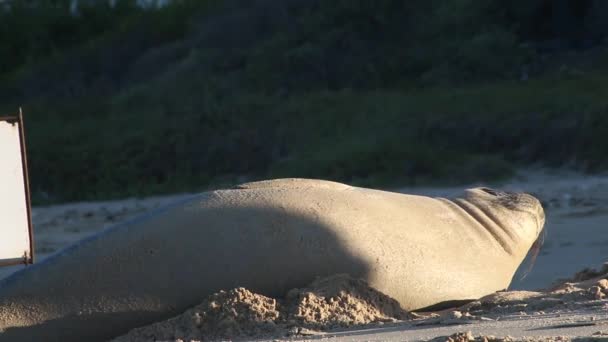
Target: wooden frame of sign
(16, 234)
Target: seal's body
(271, 236)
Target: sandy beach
(576, 207)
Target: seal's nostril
(489, 191)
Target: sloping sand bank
(342, 308)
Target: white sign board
(15, 221)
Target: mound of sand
(328, 303)
(341, 301)
(469, 337)
(584, 275)
(589, 291)
(234, 313)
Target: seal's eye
(489, 191)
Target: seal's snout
(524, 207)
(540, 212)
(531, 205)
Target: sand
(342, 309)
(469, 337)
(337, 302)
(239, 314)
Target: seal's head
(515, 219)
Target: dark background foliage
(126, 100)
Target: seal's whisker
(534, 252)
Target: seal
(269, 237)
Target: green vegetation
(124, 101)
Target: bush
(127, 101)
